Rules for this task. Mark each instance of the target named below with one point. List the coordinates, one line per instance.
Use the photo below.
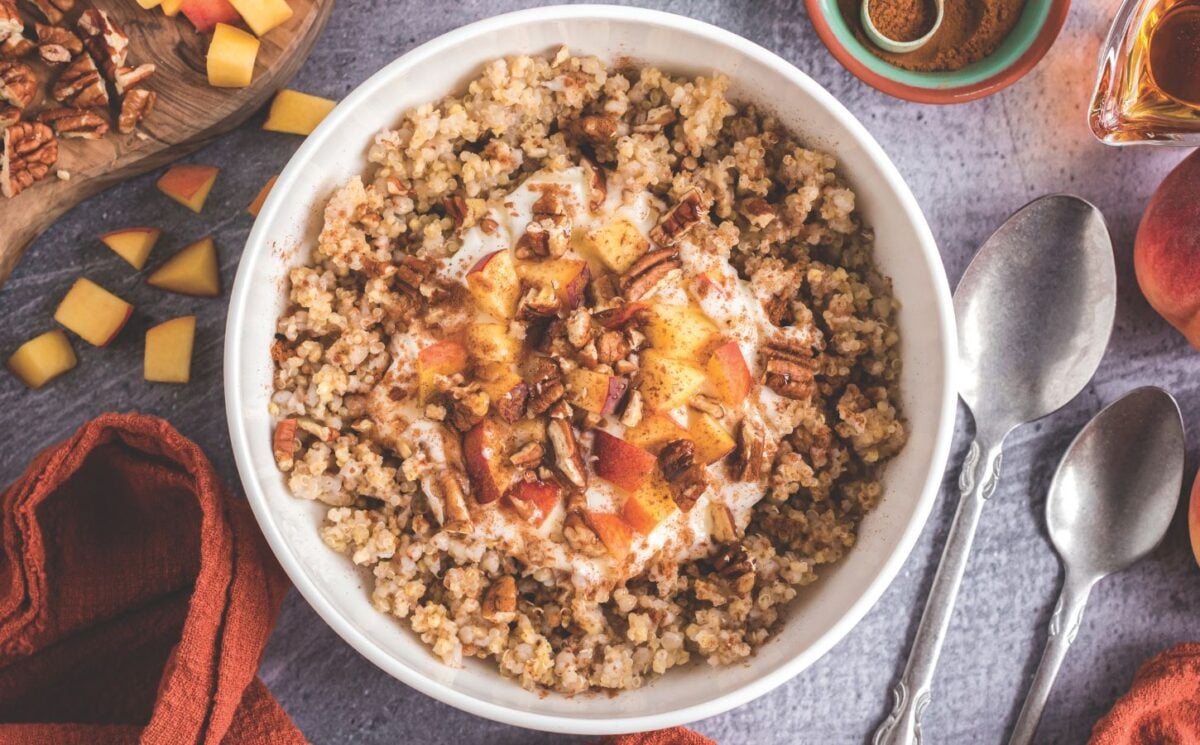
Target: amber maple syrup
(1148, 88)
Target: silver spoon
(1035, 310)
(1111, 501)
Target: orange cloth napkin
(136, 596)
(673, 736)
(1163, 705)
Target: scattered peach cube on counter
(169, 351)
(42, 359)
(231, 56)
(192, 271)
(296, 113)
(263, 15)
(132, 244)
(170, 8)
(206, 14)
(92, 312)
(188, 184)
(256, 206)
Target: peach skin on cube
(206, 14)
(1166, 252)
(594, 391)
(567, 277)
(656, 430)
(533, 500)
(483, 455)
(42, 359)
(132, 244)
(494, 284)
(668, 383)
(445, 357)
(613, 531)
(231, 55)
(263, 15)
(649, 505)
(192, 271)
(92, 312)
(293, 112)
(189, 184)
(713, 442)
(168, 357)
(683, 332)
(620, 462)
(257, 205)
(729, 373)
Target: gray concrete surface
(969, 166)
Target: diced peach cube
(263, 15)
(491, 342)
(711, 439)
(668, 383)
(656, 430)
(231, 56)
(729, 373)
(297, 113)
(256, 206)
(169, 351)
(682, 332)
(567, 277)
(192, 271)
(445, 357)
(188, 184)
(92, 312)
(620, 462)
(594, 391)
(42, 359)
(132, 244)
(617, 244)
(613, 531)
(170, 8)
(649, 505)
(534, 500)
(483, 455)
(206, 14)
(494, 284)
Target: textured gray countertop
(969, 166)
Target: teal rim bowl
(1029, 40)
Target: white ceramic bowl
(906, 251)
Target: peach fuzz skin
(1166, 254)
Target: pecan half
(567, 456)
(680, 219)
(643, 276)
(16, 46)
(80, 85)
(687, 478)
(57, 45)
(545, 394)
(500, 601)
(74, 123)
(9, 115)
(789, 368)
(30, 149)
(746, 463)
(51, 11)
(127, 78)
(597, 128)
(18, 84)
(284, 443)
(104, 39)
(136, 105)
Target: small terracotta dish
(1024, 47)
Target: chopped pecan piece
(30, 149)
(709, 406)
(74, 123)
(412, 272)
(539, 301)
(51, 11)
(127, 78)
(136, 105)
(581, 537)
(640, 279)
(548, 233)
(579, 328)
(500, 601)
(453, 492)
(746, 463)
(464, 212)
(621, 316)
(733, 560)
(104, 39)
(687, 478)
(16, 46)
(567, 456)
(597, 128)
(655, 119)
(545, 394)
(724, 529)
(10, 20)
(757, 211)
(467, 406)
(9, 115)
(57, 45)
(528, 455)
(596, 182)
(611, 347)
(80, 85)
(18, 84)
(680, 219)
(511, 405)
(634, 408)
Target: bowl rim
(258, 248)
(1055, 18)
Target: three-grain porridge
(594, 370)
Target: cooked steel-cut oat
(593, 368)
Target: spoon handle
(977, 481)
(1064, 624)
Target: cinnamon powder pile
(970, 30)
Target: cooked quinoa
(776, 212)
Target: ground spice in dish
(970, 31)
(903, 20)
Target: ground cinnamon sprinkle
(903, 20)
(970, 30)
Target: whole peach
(1166, 254)
(1194, 518)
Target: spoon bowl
(1118, 485)
(1035, 310)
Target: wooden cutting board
(189, 112)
